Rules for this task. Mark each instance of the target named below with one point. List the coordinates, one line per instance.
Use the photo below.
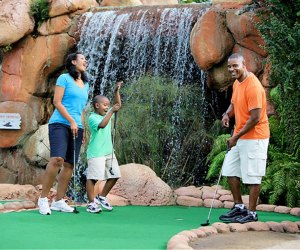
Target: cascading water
(129, 43)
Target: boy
(102, 163)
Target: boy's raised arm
(117, 99)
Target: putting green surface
(130, 227)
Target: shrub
(39, 9)
(162, 125)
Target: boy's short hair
(97, 99)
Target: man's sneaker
(234, 213)
(61, 206)
(247, 218)
(100, 200)
(92, 207)
(44, 206)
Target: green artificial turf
(129, 227)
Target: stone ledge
(183, 239)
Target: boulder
(20, 192)
(282, 209)
(244, 31)
(60, 7)
(253, 60)
(55, 25)
(159, 2)
(210, 40)
(189, 201)
(120, 2)
(36, 148)
(221, 227)
(26, 68)
(189, 191)
(15, 21)
(140, 186)
(219, 77)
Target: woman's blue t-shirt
(74, 100)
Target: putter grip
(115, 121)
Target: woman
(66, 122)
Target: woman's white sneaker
(61, 206)
(44, 206)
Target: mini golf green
(129, 227)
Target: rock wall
(29, 69)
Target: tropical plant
(39, 9)
(162, 125)
(280, 28)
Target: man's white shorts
(103, 168)
(247, 160)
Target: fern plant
(281, 185)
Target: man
(246, 160)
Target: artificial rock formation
(136, 2)
(220, 32)
(29, 69)
(15, 21)
(140, 186)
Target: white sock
(253, 213)
(241, 206)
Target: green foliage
(161, 125)
(39, 9)
(282, 182)
(280, 28)
(6, 48)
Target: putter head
(205, 224)
(75, 211)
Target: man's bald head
(236, 56)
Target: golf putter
(113, 143)
(74, 176)
(212, 203)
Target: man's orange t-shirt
(247, 95)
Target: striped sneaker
(100, 200)
(92, 207)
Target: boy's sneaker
(233, 214)
(44, 206)
(92, 207)
(61, 206)
(247, 218)
(100, 200)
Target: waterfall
(128, 43)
